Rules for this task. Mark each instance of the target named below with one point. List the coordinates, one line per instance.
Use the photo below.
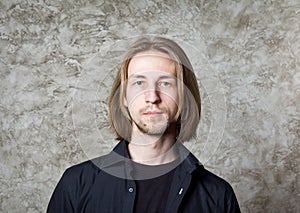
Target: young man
(154, 107)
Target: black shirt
(152, 193)
(92, 186)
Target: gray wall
(58, 59)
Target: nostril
(152, 96)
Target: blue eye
(139, 83)
(164, 84)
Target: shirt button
(130, 189)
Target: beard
(155, 126)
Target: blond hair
(189, 104)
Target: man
(154, 107)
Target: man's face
(151, 93)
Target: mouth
(153, 113)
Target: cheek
(171, 93)
(134, 103)
(171, 97)
(133, 96)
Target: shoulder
(214, 186)
(202, 176)
(213, 190)
(212, 179)
(83, 166)
(84, 170)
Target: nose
(152, 96)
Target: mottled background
(58, 60)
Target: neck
(152, 149)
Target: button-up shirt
(107, 184)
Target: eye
(164, 84)
(139, 83)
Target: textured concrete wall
(58, 60)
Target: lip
(152, 113)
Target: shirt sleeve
(63, 197)
(232, 203)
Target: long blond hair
(189, 104)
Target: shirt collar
(119, 156)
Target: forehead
(151, 61)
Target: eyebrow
(138, 76)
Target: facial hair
(155, 126)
